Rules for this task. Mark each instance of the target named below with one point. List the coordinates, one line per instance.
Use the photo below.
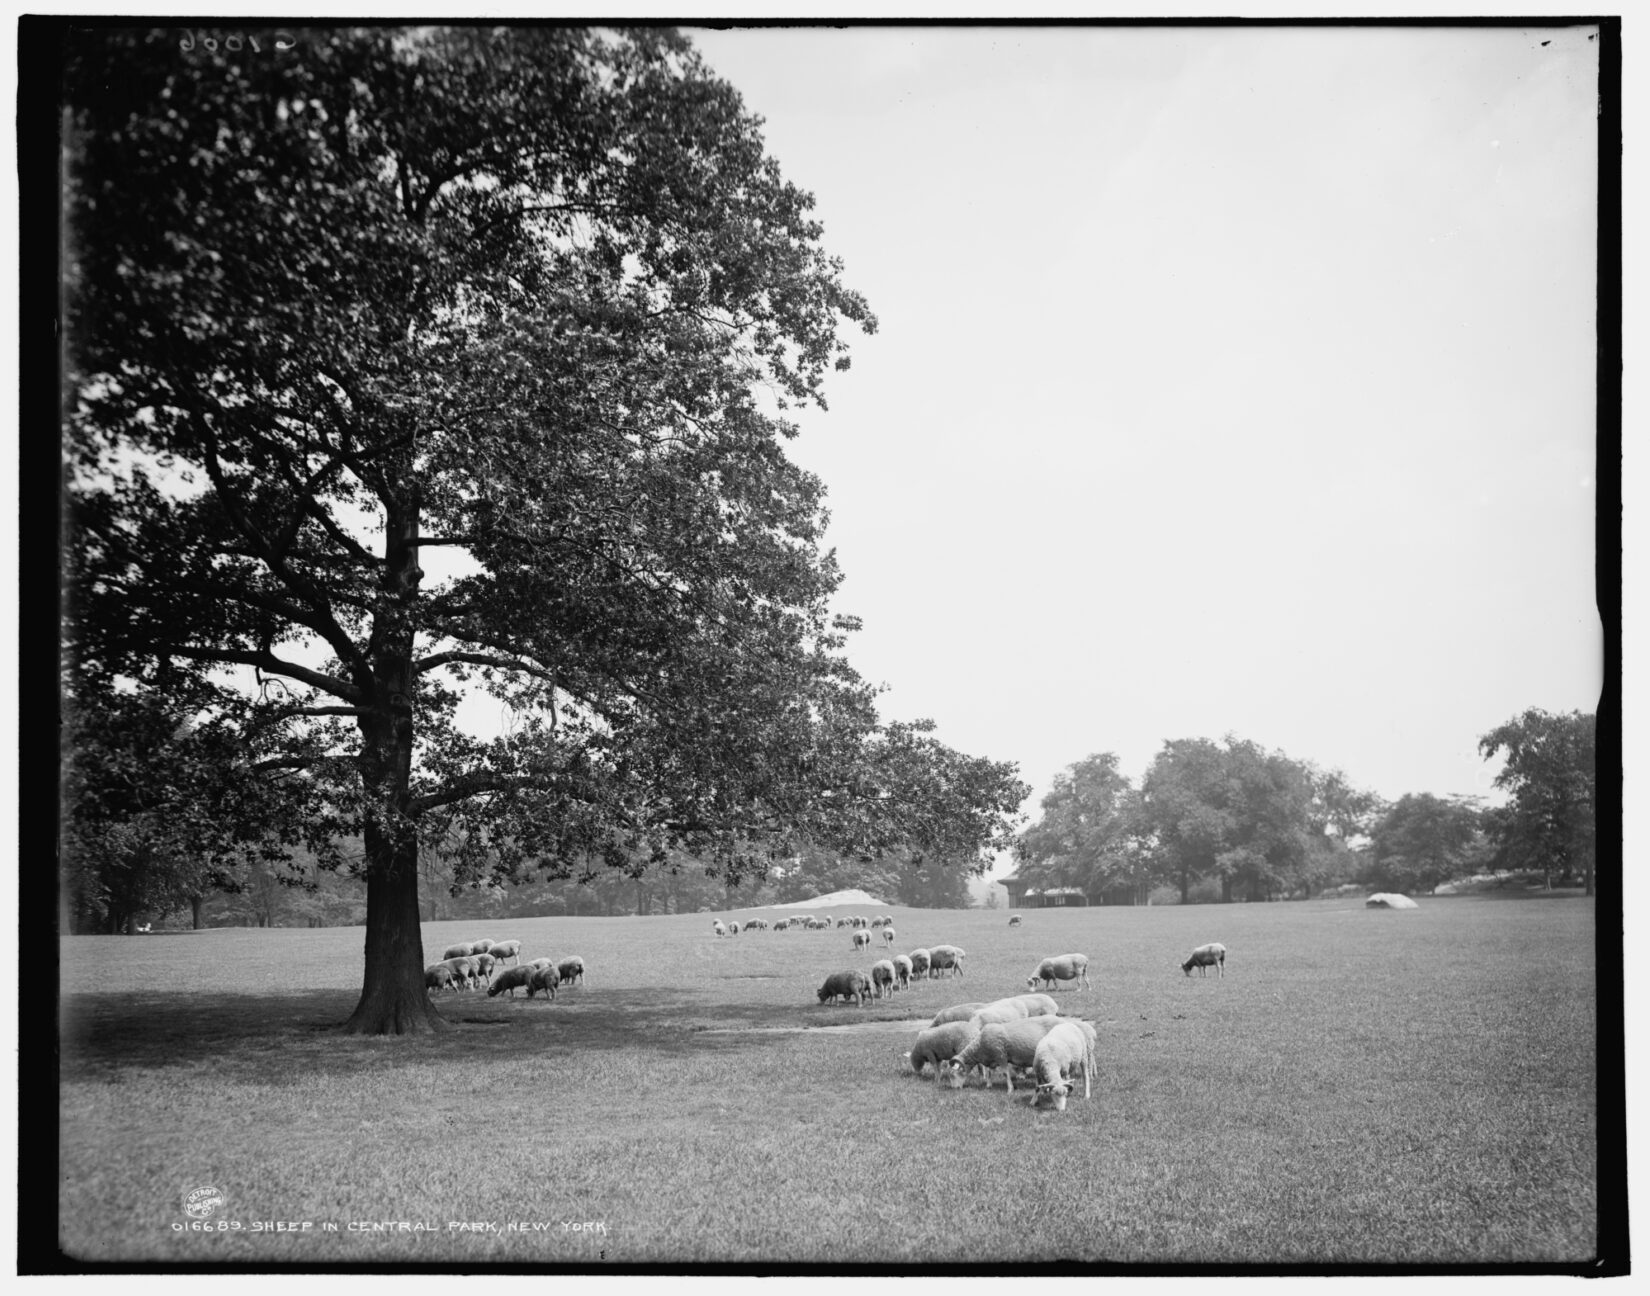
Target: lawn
(1361, 1086)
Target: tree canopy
(1421, 841)
(1550, 820)
(408, 362)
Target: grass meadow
(1362, 1086)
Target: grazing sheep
(1014, 1007)
(1068, 967)
(540, 963)
(571, 970)
(716, 926)
(484, 964)
(846, 985)
(887, 920)
(861, 922)
(1014, 920)
(862, 940)
(842, 922)
(888, 935)
(877, 922)
(902, 971)
(956, 1012)
(457, 951)
(938, 1045)
(481, 947)
(784, 924)
(945, 956)
(1204, 955)
(882, 978)
(438, 975)
(733, 928)
(1064, 1051)
(1007, 1044)
(505, 950)
(919, 962)
(819, 924)
(510, 978)
(464, 970)
(544, 979)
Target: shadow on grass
(280, 1038)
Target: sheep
(571, 970)
(1014, 920)
(540, 963)
(939, 1044)
(887, 920)
(457, 951)
(463, 969)
(842, 922)
(882, 977)
(902, 971)
(1203, 956)
(484, 964)
(1067, 967)
(784, 924)
(1015, 1007)
(716, 926)
(480, 947)
(846, 985)
(862, 940)
(945, 956)
(1007, 1044)
(888, 935)
(957, 1012)
(438, 975)
(544, 979)
(919, 962)
(1066, 1049)
(877, 922)
(509, 979)
(504, 950)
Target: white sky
(1228, 380)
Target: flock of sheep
(470, 965)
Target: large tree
(1088, 835)
(411, 361)
(1421, 841)
(1550, 819)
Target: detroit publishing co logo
(199, 1203)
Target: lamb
(862, 940)
(509, 979)
(1204, 955)
(957, 1012)
(938, 1045)
(846, 985)
(571, 970)
(504, 950)
(882, 978)
(945, 956)
(888, 935)
(1015, 1007)
(1007, 1044)
(438, 975)
(457, 951)
(919, 962)
(544, 979)
(1067, 967)
(902, 971)
(1066, 1049)
(716, 926)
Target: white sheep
(1013, 1008)
(457, 951)
(1011, 1045)
(464, 970)
(540, 963)
(509, 979)
(784, 924)
(571, 970)
(1205, 955)
(484, 964)
(902, 971)
(733, 928)
(942, 957)
(1064, 1051)
(919, 962)
(938, 1045)
(957, 1012)
(862, 940)
(1067, 967)
(716, 926)
(882, 978)
(505, 950)
(481, 947)
(888, 935)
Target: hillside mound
(854, 896)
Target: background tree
(508, 303)
(1088, 834)
(1422, 841)
(1550, 820)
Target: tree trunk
(393, 998)
(195, 903)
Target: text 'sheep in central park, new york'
(527, 307)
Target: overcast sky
(1228, 381)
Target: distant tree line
(1232, 821)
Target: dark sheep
(1205, 957)
(846, 985)
(509, 980)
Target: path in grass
(1361, 1085)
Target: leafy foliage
(1423, 840)
(534, 299)
(1550, 821)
